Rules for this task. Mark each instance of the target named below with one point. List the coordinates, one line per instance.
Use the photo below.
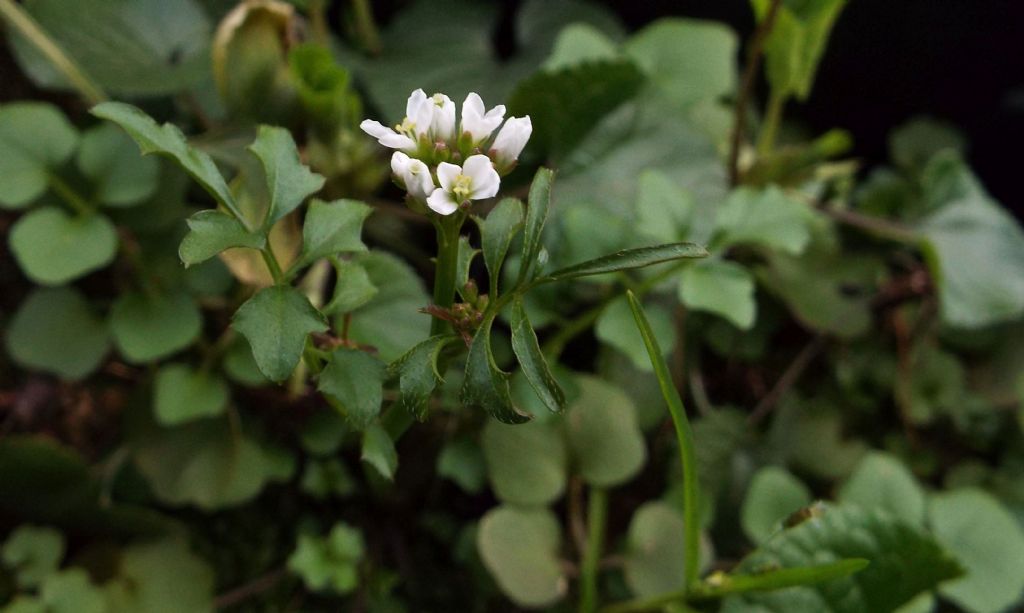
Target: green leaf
(463, 262)
(32, 553)
(772, 580)
(212, 231)
(653, 562)
(53, 248)
(323, 432)
(149, 327)
(796, 43)
(207, 464)
(809, 436)
(184, 394)
(663, 210)
(35, 138)
(134, 49)
(607, 445)
(774, 494)
(167, 140)
(532, 361)
(352, 288)
(765, 217)
(904, 561)
(162, 576)
(913, 144)
(379, 451)
(520, 549)
(579, 43)
(323, 87)
(527, 464)
(355, 381)
(486, 386)
(989, 542)
(57, 331)
(327, 479)
(120, 176)
(721, 287)
(496, 234)
(882, 481)
(687, 60)
(391, 321)
(331, 228)
(276, 322)
(627, 259)
(329, 563)
(617, 328)
(289, 182)
(462, 461)
(975, 251)
(533, 225)
(566, 103)
(71, 591)
(418, 374)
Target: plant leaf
(289, 182)
(533, 228)
(276, 322)
(773, 495)
(355, 381)
(485, 385)
(607, 445)
(35, 137)
(520, 549)
(120, 176)
(146, 328)
(721, 287)
(627, 259)
(210, 232)
(183, 394)
(527, 464)
(53, 248)
(331, 228)
(496, 234)
(532, 361)
(418, 374)
(882, 481)
(379, 451)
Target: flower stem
(772, 119)
(272, 264)
(445, 267)
(597, 518)
(366, 27)
(25, 25)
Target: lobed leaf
(354, 380)
(331, 228)
(486, 386)
(289, 182)
(532, 361)
(496, 234)
(533, 226)
(418, 374)
(276, 322)
(212, 231)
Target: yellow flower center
(462, 186)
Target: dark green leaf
(391, 321)
(773, 495)
(352, 288)
(520, 548)
(212, 231)
(418, 374)
(167, 140)
(322, 86)
(496, 234)
(607, 445)
(53, 248)
(183, 394)
(35, 138)
(462, 265)
(355, 381)
(148, 327)
(289, 182)
(527, 464)
(796, 43)
(120, 176)
(771, 580)
(32, 553)
(57, 331)
(276, 322)
(379, 451)
(331, 228)
(721, 287)
(485, 385)
(533, 228)
(627, 259)
(462, 461)
(532, 361)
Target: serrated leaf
(355, 381)
(167, 140)
(533, 225)
(32, 553)
(212, 231)
(607, 445)
(378, 450)
(352, 288)
(289, 182)
(527, 464)
(486, 386)
(183, 394)
(520, 549)
(626, 260)
(276, 322)
(120, 176)
(148, 327)
(773, 495)
(331, 228)
(53, 248)
(35, 137)
(532, 361)
(904, 561)
(418, 374)
(496, 234)
(56, 330)
(882, 481)
(765, 217)
(721, 287)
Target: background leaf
(520, 549)
(35, 138)
(149, 327)
(53, 248)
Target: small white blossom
(442, 124)
(387, 137)
(475, 180)
(478, 123)
(414, 175)
(511, 139)
(419, 116)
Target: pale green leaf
(120, 176)
(527, 464)
(35, 138)
(183, 394)
(149, 327)
(607, 445)
(52, 247)
(289, 182)
(773, 495)
(721, 287)
(882, 481)
(520, 549)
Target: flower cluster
(448, 165)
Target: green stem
(75, 200)
(597, 518)
(318, 22)
(445, 268)
(772, 119)
(366, 27)
(25, 25)
(272, 264)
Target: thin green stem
(366, 27)
(68, 194)
(445, 267)
(25, 25)
(272, 264)
(597, 519)
(772, 119)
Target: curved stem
(445, 267)
(597, 518)
(272, 264)
(772, 119)
(21, 21)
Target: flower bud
(413, 174)
(511, 140)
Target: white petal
(420, 184)
(485, 179)
(375, 128)
(446, 173)
(414, 103)
(472, 106)
(442, 202)
(398, 141)
(512, 138)
(476, 122)
(442, 124)
(400, 164)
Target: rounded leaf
(53, 248)
(520, 549)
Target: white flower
(419, 116)
(511, 139)
(479, 124)
(475, 180)
(387, 137)
(414, 174)
(442, 124)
